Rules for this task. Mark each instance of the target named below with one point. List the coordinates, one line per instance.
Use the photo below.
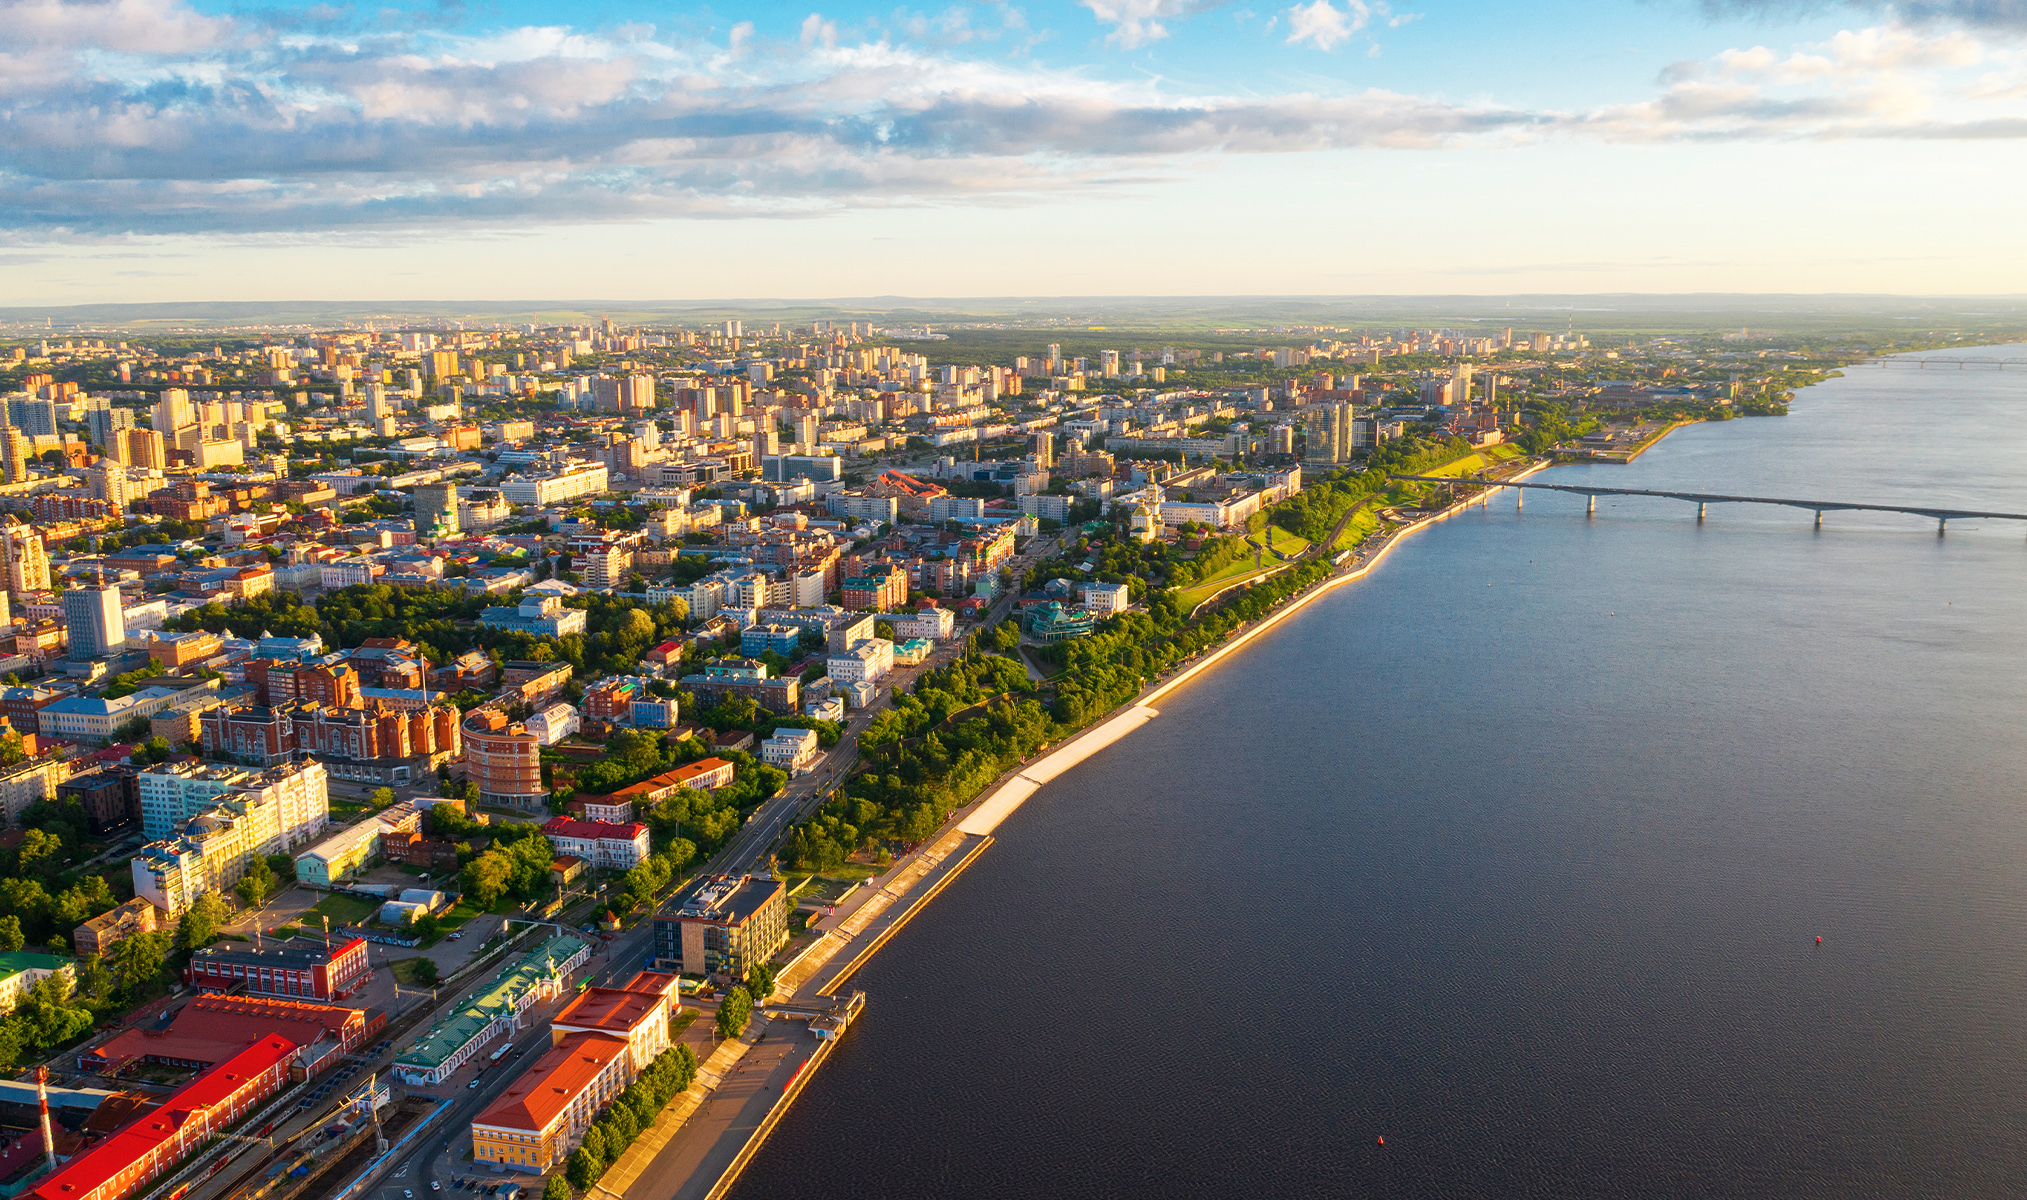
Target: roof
(16, 961)
(614, 1010)
(292, 954)
(723, 900)
(600, 831)
(544, 1091)
(213, 1028)
(661, 982)
(143, 1139)
(494, 1001)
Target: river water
(1515, 855)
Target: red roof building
(212, 1028)
(637, 1013)
(613, 847)
(532, 1124)
(204, 1108)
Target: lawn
(1287, 547)
(407, 970)
(344, 910)
(1356, 530)
(457, 914)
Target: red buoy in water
(1382, 1141)
(1819, 939)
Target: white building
(577, 480)
(868, 661)
(793, 750)
(1104, 599)
(935, 624)
(553, 724)
(261, 814)
(614, 847)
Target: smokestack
(42, 1096)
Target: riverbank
(895, 898)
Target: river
(1515, 855)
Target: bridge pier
(1941, 522)
(1819, 518)
(1519, 499)
(1591, 507)
(1699, 511)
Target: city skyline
(165, 150)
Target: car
(434, 1186)
(474, 1083)
(407, 1195)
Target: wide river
(1516, 855)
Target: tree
(200, 924)
(138, 960)
(257, 884)
(733, 1012)
(425, 971)
(41, 854)
(486, 877)
(11, 750)
(557, 1188)
(587, 1164)
(283, 866)
(10, 933)
(381, 798)
(760, 981)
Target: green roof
(13, 962)
(490, 1003)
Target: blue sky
(188, 149)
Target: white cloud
(1138, 22)
(230, 125)
(1324, 25)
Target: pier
(1702, 500)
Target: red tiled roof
(104, 1162)
(544, 1090)
(614, 1010)
(594, 830)
(212, 1028)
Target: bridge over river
(1943, 516)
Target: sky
(161, 150)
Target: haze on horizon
(186, 150)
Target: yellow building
(534, 1122)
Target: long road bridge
(1944, 364)
(1943, 516)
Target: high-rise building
(766, 441)
(806, 432)
(15, 454)
(25, 559)
(139, 449)
(93, 620)
(173, 410)
(106, 424)
(1108, 363)
(1327, 433)
(436, 510)
(1042, 448)
(376, 403)
(34, 417)
(441, 364)
(109, 483)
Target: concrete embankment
(1000, 802)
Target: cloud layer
(121, 116)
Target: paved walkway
(702, 1133)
